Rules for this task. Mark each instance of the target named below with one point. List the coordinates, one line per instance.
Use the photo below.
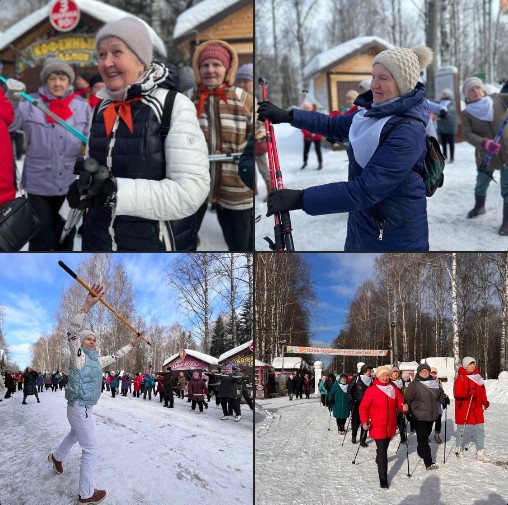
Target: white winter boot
(481, 456)
(460, 454)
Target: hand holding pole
(282, 228)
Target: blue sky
(32, 283)
(336, 277)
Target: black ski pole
(354, 460)
(463, 427)
(407, 448)
(488, 157)
(359, 445)
(329, 419)
(348, 423)
(282, 229)
(445, 416)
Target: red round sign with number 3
(64, 15)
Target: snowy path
(147, 454)
(298, 461)
(449, 229)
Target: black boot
(320, 166)
(383, 483)
(304, 165)
(504, 227)
(479, 207)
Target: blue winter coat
(386, 200)
(84, 385)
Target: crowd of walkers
(376, 402)
(198, 387)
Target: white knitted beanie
(83, 334)
(469, 84)
(405, 65)
(134, 33)
(467, 361)
(382, 369)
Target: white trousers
(83, 432)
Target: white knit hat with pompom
(405, 65)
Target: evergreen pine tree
(219, 343)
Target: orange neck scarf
(124, 108)
(205, 93)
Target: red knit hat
(216, 52)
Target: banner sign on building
(335, 352)
(78, 50)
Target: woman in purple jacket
(51, 150)
(384, 194)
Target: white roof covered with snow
(98, 10)
(324, 60)
(258, 362)
(206, 358)
(235, 350)
(200, 13)
(289, 362)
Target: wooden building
(228, 20)
(241, 356)
(27, 44)
(336, 71)
(188, 360)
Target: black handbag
(18, 224)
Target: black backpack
(433, 164)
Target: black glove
(74, 198)
(276, 115)
(447, 400)
(284, 199)
(443, 113)
(106, 197)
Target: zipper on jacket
(86, 410)
(380, 221)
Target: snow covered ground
(298, 461)
(449, 229)
(147, 454)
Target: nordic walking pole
(464, 426)
(282, 229)
(359, 445)
(488, 157)
(329, 419)
(347, 427)
(44, 109)
(106, 304)
(407, 448)
(445, 416)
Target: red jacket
(137, 382)
(464, 391)
(381, 410)
(7, 191)
(311, 137)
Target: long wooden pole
(106, 304)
